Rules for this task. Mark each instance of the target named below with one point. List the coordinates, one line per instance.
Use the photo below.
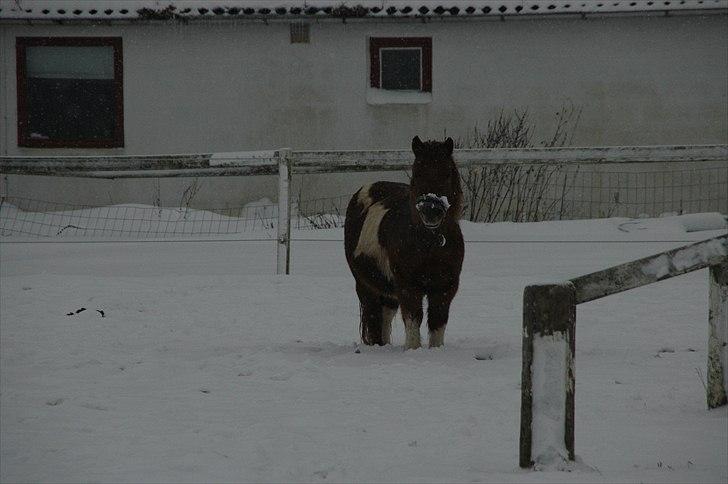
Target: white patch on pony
(411, 334)
(387, 317)
(437, 337)
(368, 243)
(364, 199)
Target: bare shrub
(321, 213)
(518, 192)
(322, 220)
(189, 194)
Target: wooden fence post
(718, 336)
(283, 258)
(547, 381)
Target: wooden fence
(286, 162)
(549, 323)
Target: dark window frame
(378, 43)
(24, 139)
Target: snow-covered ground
(207, 367)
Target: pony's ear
(417, 146)
(449, 145)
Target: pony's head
(435, 186)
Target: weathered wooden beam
(547, 375)
(718, 336)
(58, 166)
(181, 173)
(591, 155)
(264, 162)
(549, 316)
(651, 269)
(147, 166)
(381, 160)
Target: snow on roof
(270, 9)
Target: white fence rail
(549, 323)
(267, 162)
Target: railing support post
(547, 381)
(718, 336)
(283, 258)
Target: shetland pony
(403, 243)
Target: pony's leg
(389, 309)
(438, 310)
(411, 304)
(371, 312)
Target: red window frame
(377, 43)
(24, 139)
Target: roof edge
(186, 10)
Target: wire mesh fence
(532, 193)
(514, 192)
(39, 218)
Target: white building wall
(239, 85)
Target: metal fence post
(547, 380)
(718, 336)
(283, 258)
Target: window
(70, 92)
(401, 63)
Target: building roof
(301, 9)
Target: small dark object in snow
(204, 390)
(80, 310)
(101, 312)
(70, 314)
(357, 351)
(54, 403)
(663, 350)
(483, 357)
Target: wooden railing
(267, 162)
(285, 162)
(549, 320)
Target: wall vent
(300, 33)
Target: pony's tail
(370, 326)
(365, 329)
